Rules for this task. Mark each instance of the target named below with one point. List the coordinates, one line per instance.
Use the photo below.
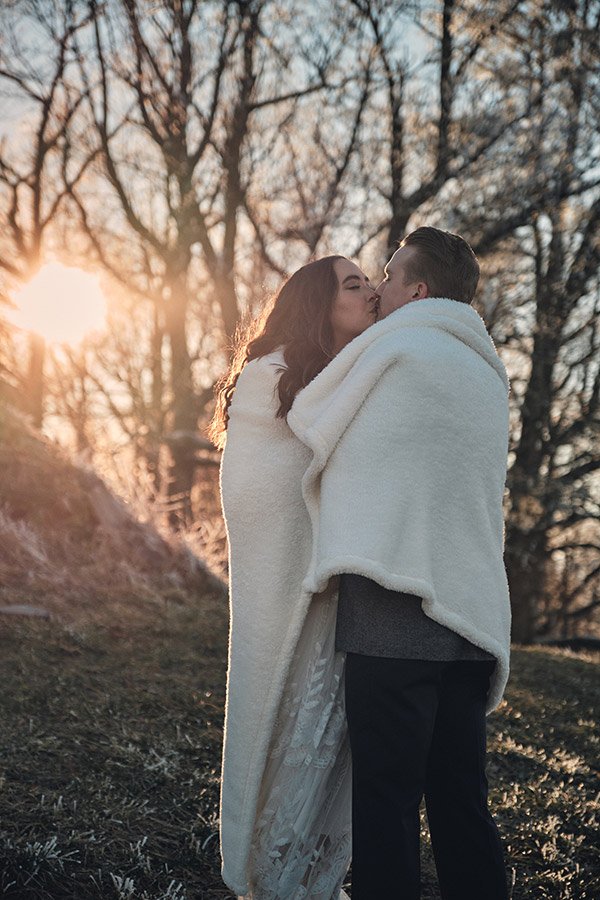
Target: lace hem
(302, 842)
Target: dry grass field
(110, 756)
(111, 711)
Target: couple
(365, 443)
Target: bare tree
(433, 123)
(36, 63)
(538, 234)
(208, 148)
(491, 130)
(172, 115)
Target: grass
(110, 755)
(112, 710)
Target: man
(410, 439)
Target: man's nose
(379, 287)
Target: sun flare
(61, 304)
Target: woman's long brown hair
(298, 320)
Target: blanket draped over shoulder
(285, 804)
(409, 431)
(392, 465)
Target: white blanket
(395, 469)
(409, 431)
(286, 767)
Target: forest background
(191, 153)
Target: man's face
(394, 289)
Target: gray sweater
(374, 621)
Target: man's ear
(421, 291)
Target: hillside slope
(71, 547)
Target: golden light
(61, 304)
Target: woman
(286, 772)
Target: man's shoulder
(401, 345)
(409, 341)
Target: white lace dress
(302, 843)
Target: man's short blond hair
(445, 261)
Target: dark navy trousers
(417, 728)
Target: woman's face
(355, 306)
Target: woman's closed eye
(358, 287)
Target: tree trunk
(184, 414)
(526, 534)
(156, 424)
(525, 559)
(34, 398)
(228, 302)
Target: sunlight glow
(61, 304)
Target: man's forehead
(398, 259)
